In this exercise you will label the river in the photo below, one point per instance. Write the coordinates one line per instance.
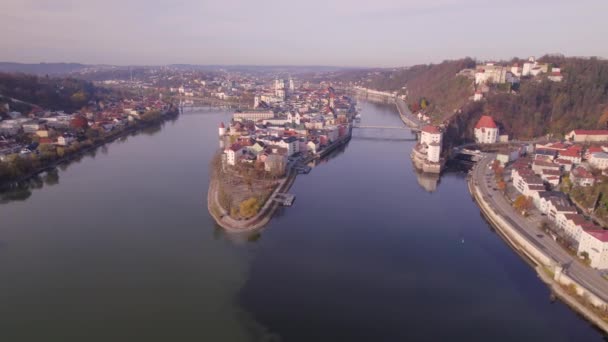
(119, 246)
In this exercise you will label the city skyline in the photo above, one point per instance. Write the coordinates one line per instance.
(383, 34)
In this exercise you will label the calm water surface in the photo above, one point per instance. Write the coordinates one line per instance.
(119, 247)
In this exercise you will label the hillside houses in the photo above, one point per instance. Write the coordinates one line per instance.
(61, 129)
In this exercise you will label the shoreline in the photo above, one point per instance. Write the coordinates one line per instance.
(542, 264)
(258, 221)
(266, 213)
(67, 159)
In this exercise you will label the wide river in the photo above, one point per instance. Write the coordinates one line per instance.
(119, 246)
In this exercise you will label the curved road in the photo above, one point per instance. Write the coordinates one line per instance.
(528, 228)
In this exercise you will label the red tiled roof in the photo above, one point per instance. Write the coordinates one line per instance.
(581, 172)
(599, 234)
(235, 147)
(550, 172)
(430, 129)
(569, 153)
(486, 121)
(576, 218)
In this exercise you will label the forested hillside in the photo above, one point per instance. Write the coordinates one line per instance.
(579, 101)
(436, 87)
(50, 93)
(537, 107)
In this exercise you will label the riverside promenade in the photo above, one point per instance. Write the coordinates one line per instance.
(554, 265)
(222, 217)
(406, 115)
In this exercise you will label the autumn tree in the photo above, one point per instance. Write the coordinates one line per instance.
(501, 185)
(79, 122)
(249, 207)
(603, 120)
(523, 204)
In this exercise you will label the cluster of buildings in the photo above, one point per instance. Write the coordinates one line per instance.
(491, 73)
(277, 95)
(538, 177)
(58, 128)
(304, 123)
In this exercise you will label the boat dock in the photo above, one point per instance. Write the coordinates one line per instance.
(285, 199)
(303, 169)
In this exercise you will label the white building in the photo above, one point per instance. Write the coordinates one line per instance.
(595, 243)
(253, 115)
(430, 134)
(434, 152)
(516, 70)
(599, 160)
(430, 139)
(233, 153)
(486, 131)
(478, 96)
(63, 140)
(582, 135)
(490, 73)
(292, 86)
(222, 129)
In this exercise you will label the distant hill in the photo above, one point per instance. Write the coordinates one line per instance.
(437, 87)
(537, 107)
(277, 69)
(66, 94)
(41, 68)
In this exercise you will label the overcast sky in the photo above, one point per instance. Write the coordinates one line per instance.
(305, 32)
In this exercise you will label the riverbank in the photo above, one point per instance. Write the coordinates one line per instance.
(9, 183)
(264, 215)
(406, 115)
(222, 216)
(567, 289)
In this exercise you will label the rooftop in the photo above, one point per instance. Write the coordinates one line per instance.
(486, 121)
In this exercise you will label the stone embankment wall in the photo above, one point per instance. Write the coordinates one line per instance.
(541, 260)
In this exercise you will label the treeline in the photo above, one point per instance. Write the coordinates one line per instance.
(66, 94)
(436, 87)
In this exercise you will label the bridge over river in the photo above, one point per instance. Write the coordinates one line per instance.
(383, 132)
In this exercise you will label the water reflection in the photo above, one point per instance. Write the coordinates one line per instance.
(20, 191)
(240, 238)
(51, 177)
(428, 181)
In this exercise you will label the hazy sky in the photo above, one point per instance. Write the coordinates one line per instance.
(310, 32)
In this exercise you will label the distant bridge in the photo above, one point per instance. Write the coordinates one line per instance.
(383, 139)
(384, 127)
